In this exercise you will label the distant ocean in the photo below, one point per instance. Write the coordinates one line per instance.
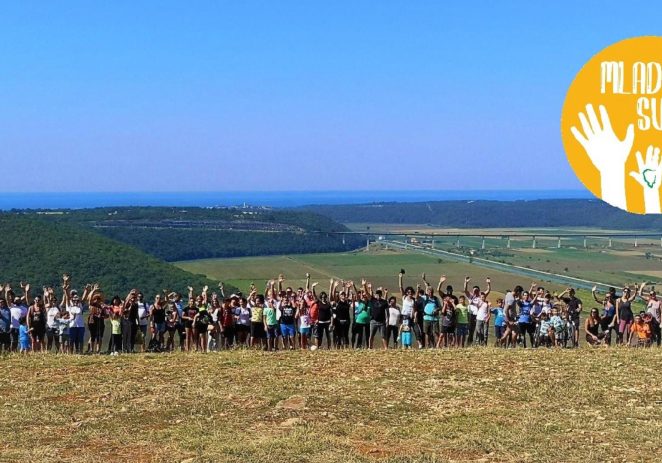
(260, 198)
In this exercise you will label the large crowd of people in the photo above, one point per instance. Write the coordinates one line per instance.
(347, 316)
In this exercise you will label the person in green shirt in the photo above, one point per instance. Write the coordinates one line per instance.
(270, 325)
(361, 327)
(461, 321)
(116, 332)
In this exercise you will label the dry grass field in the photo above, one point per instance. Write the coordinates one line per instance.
(475, 405)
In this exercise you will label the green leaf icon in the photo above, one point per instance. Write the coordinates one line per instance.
(648, 173)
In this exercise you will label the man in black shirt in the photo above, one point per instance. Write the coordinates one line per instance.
(574, 308)
(340, 323)
(378, 317)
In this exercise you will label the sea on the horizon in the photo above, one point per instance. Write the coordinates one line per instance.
(81, 200)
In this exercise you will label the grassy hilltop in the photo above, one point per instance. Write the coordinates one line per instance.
(476, 405)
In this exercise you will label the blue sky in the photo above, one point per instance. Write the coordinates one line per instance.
(295, 95)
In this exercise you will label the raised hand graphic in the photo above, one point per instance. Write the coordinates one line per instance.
(607, 153)
(650, 178)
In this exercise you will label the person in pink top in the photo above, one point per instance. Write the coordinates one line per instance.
(653, 307)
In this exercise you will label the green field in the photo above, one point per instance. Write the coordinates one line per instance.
(378, 266)
(473, 405)
(617, 265)
(381, 267)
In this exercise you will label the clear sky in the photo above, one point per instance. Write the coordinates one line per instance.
(295, 95)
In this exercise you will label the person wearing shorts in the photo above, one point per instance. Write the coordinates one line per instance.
(524, 320)
(190, 311)
(270, 322)
(227, 323)
(405, 333)
(287, 329)
(499, 321)
(447, 320)
(258, 335)
(157, 319)
(201, 324)
(378, 318)
(461, 322)
(304, 322)
(394, 320)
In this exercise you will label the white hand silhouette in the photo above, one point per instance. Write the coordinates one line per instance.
(607, 153)
(650, 178)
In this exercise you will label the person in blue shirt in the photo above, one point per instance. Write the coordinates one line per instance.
(23, 335)
(5, 327)
(525, 320)
(499, 321)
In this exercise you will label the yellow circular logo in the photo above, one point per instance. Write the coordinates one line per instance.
(611, 124)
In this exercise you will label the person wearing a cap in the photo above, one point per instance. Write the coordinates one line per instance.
(76, 323)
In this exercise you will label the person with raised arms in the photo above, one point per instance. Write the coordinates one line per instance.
(431, 310)
(477, 309)
(608, 315)
(287, 320)
(36, 321)
(654, 308)
(188, 317)
(475, 301)
(304, 322)
(201, 321)
(18, 310)
(525, 321)
(408, 299)
(75, 307)
(172, 321)
(270, 321)
(324, 319)
(360, 327)
(341, 315)
(378, 314)
(624, 314)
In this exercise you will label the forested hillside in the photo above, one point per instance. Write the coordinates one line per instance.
(174, 234)
(39, 251)
(486, 214)
(174, 244)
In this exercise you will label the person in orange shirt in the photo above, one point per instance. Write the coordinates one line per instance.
(642, 330)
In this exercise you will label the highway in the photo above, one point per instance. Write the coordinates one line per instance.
(539, 275)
